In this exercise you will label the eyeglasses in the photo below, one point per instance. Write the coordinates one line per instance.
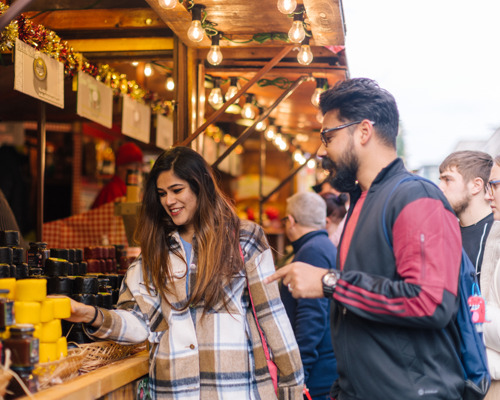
(326, 139)
(491, 186)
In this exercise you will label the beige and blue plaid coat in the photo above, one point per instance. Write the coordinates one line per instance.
(218, 356)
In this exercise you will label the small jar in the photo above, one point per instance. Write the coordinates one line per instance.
(14, 390)
(6, 310)
(23, 346)
(37, 254)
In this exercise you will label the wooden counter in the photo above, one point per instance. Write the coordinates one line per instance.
(100, 382)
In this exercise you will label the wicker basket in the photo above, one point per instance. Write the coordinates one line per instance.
(99, 354)
(62, 370)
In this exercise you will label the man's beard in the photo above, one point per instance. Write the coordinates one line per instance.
(462, 205)
(343, 173)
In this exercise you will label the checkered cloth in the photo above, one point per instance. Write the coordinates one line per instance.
(87, 229)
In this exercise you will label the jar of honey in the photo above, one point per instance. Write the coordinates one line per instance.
(23, 346)
(6, 310)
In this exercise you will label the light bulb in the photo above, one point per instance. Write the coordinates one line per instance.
(271, 132)
(297, 33)
(321, 85)
(261, 126)
(170, 84)
(148, 71)
(214, 56)
(248, 111)
(305, 55)
(195, 31)
(135, 63)
(315, 96)
(233, 88)
(215, 99)
(168, 4)
(287, 6)
(311, 163)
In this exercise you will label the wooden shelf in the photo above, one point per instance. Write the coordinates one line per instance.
(100, 382)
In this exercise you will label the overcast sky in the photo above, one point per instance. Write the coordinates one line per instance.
(441, 61)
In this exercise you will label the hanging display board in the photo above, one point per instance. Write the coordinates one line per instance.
(164, 131)
(94, 100)
(38, 75)
(136, 119)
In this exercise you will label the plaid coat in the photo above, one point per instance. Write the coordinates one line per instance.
(221, 355)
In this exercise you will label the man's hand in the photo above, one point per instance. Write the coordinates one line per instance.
(303, 280)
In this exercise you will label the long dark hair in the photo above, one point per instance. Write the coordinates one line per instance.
(215, 223)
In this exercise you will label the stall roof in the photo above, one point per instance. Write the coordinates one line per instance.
(119, 33)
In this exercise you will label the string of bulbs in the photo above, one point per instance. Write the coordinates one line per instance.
(251, 109)
(200, 26)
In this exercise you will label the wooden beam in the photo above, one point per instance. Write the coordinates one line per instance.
(243, 90)
(324, 17)
(128, 44)
(178, 19)
(92, 19)
(246, 133)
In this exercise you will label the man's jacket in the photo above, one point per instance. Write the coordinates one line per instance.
(393, 306)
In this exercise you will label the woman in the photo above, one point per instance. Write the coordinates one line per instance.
(490, 283)
(335, 214)
(187, 293)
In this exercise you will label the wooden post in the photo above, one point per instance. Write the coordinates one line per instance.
(40, 177)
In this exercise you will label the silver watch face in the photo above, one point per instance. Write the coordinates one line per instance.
(330, 279)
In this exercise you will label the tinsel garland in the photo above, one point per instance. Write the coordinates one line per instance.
(48, 42)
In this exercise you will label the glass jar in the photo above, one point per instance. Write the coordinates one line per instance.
(6, 310)
(23, 346)
(37, 254)
(14, 390)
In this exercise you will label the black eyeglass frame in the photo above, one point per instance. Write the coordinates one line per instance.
(325, 140)
(491, 187)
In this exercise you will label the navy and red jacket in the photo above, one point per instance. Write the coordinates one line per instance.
(392, 306)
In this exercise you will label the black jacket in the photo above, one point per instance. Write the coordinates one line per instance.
(392, 306)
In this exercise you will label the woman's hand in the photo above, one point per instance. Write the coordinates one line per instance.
(81, 312)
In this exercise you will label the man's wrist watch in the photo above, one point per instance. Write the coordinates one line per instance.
(329, 281)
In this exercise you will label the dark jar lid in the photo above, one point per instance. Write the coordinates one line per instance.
(22, 329)
(38, 244)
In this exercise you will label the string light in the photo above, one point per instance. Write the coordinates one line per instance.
(320, 88)
(168, 4)
(215, 98)
(271, 130)
(214, 56)
(195, 32)
(233, 88)
(311, 163)
(305, 55)
(148, 71)
(248, 111)
(287, 6)
(170, 84)
(297, 33)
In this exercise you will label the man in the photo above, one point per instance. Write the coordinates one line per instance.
(128, 157)
(392, 302)
(463, 176)
(305, 228)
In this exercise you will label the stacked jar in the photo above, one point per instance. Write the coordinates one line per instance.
(12, 256)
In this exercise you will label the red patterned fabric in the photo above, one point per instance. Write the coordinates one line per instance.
(86, 229)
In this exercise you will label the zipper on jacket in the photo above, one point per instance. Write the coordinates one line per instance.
(422, 256)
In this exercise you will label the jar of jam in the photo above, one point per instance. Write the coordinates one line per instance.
(6, 310)
(30, 380)
(24, 348)
(37, 254)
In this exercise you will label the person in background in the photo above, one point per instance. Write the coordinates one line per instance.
(128, 157)
(335, 215)
(8, 220)
(305, 228)
(463, 176)
(396, 295)
(187, 293)
(490, 284)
